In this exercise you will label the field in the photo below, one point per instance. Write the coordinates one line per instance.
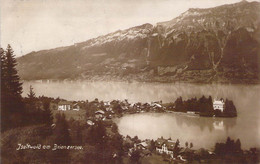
(76, 115)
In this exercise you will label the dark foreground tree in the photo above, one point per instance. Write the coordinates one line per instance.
(61, 132)
(61, 137)
(33, 112)
(12, 108)
(4, 111)
(135, 156)
(47, 114)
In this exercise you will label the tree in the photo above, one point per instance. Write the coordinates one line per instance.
(152, 146)
(186, 144)
(31, 94)
(31, 107)
(3, 73)
(230, 109)
(76, 131)
(116, 146)
(114, 128)
(117, 107)
(12, 107)
(60, 136)
(4, 110)
(179, 106)
(135, 156)
(13, 83)
(238, 145)
(48, 118)
(96, 134)
(176, 148)
(206, 106)
(61, 132)
(191, 145)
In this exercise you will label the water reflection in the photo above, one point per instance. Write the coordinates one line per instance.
(223, 124)
(201, 131)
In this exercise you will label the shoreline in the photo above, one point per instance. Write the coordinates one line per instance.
(251, 83)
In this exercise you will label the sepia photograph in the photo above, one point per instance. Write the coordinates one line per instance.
(130, 81)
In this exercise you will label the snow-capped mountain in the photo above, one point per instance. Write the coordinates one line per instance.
(203, 45)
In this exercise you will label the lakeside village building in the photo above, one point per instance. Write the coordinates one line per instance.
(219, 104)
(165, 146)
(65, 105)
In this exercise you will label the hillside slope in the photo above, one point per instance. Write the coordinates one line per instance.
(218, 44)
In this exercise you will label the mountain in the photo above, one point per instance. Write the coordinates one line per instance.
(219, 44)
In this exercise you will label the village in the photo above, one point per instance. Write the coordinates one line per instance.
(102, 110)
(92, 112)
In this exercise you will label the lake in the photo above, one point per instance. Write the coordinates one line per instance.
(202, 132)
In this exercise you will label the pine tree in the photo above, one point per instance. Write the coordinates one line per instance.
(12, 109)
(3, 72)
(31, 101)
(13, 83)
(4, 109)
(31, 94)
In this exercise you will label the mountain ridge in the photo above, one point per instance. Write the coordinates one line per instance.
(221, 44)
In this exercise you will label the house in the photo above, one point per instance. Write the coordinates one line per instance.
(219, 104)
(156, 105)
(124, 108)
(142, 145)
(165, 146)
(108, 108)
(99, 114)
(106, 103)
(65, 105)
(75, 106)
(89, 122)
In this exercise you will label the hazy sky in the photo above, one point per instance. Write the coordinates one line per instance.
(33, 25)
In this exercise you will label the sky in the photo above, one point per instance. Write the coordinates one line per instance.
(33, 25)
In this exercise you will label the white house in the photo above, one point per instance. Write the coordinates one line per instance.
(64, 105)
(218, 104)
(165, 146)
